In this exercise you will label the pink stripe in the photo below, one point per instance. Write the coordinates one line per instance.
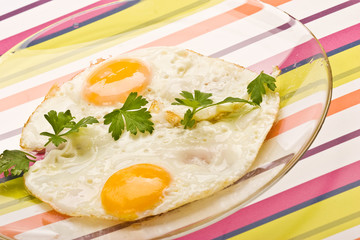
(304, 51)
(9, 42)
(280, 202)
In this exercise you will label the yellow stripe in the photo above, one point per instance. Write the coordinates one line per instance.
(95, 37)
(315, 216)
(344, 62)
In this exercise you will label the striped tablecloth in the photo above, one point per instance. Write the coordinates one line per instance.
(318, 199)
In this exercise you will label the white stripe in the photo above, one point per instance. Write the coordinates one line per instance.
(39, 15)
(346, 88)
(10, 143)
(14, 5)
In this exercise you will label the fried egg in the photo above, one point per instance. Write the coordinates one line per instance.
(147, 174)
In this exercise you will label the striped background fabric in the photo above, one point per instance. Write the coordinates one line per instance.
(319, 198)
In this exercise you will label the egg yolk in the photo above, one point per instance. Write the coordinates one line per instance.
(113, 81)
(134, 189)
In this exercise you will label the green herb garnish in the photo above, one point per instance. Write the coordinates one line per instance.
(199, 101)
(16, 161)
(256, 87)
(131, 115)
(60, 121)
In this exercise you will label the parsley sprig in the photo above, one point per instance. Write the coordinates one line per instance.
(131, 115)
(60, 121)
(15, 162)
(199, 101)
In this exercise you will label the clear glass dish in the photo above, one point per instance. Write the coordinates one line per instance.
(249, 33)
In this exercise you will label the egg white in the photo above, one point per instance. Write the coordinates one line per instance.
(200, 161)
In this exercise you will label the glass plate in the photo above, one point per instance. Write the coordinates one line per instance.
(249, 33)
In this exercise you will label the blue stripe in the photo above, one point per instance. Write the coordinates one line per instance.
(290, 210)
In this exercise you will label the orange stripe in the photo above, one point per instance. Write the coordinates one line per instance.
(242, 11)
(344, 102)
(27, 224)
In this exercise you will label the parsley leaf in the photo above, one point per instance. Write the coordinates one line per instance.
(199, 101)
(256, 87)
(131, 114)
(60, 121)
(16, 161)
